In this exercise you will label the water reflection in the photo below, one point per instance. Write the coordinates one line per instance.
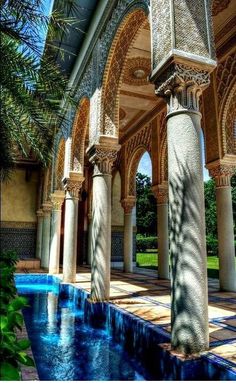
(52, 303)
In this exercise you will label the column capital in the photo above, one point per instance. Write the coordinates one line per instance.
(128, 204)
(161, 193)
(39, 213)
(222, 173)
(47, 207)
(102, 156)
(57, 199)
(181, 85)
(73, 183)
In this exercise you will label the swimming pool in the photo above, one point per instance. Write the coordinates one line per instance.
(64, 346)
(73, 339)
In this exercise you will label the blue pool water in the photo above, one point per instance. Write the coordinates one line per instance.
(66, 348)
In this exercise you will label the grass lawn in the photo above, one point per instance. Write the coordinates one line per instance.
(149, 261)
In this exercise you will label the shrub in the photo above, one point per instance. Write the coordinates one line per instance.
(144, 243)
(12, 350)
(212, 245)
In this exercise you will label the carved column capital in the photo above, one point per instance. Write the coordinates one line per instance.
(39, 213)
(73, 184)
(57, 199)
(181, 86)
(102, 157)
(128, 204)
(221, 173)
(47, 207)
(161, 193)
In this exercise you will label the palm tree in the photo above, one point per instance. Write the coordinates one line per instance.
(31, 83)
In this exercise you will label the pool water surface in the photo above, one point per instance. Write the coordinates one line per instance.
(65, 347)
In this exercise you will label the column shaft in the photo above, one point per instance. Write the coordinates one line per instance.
(189, 305)
(101, 237)
(163, 241)
(39, 234)
(90, 226)
(57, 200)
(224, 209)
(70, 238)
(128, 243)
(46, 237)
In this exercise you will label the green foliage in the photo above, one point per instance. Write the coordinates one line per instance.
(145, 243)
(146, 206)
(12, 350)
(212, 245)
(32, 85)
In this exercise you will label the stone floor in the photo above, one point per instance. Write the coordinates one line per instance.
(143, 295)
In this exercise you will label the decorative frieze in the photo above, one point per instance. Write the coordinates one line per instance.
(160, 192)
(182, 86)
(128, 204)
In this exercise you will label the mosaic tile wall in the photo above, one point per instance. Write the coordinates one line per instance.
(21, 240)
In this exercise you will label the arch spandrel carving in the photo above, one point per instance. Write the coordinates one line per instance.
(228, 124)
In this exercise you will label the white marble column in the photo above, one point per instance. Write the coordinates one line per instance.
(46, 234)
(72, 186)
(161, 194)
(128, 204)
(189, 292)
(57, 199)
(39, 234)
(102, 157)
(225, 225)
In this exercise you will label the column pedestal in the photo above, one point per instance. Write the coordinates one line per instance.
(39, 234)
(128, 204)
(72, 186)
(57, 199)
(46, 234)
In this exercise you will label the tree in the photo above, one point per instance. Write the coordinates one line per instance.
(31, 84)
(146, 206)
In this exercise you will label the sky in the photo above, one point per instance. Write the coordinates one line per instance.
(145, 165)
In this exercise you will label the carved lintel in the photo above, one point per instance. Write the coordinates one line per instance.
(103, 157)
(47, 207)
(161, 193)
(128, 204)
(57, 199)
(222, 173)
(73, 184)
(181, 86)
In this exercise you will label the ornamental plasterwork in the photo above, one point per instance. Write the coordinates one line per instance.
(103, 157)
(160, 192)
(225, 74)
(17, 225)
(47, 207)
(182, 86)
(57, 199)
(143, 137)
(73, 184)
(218, 6)
(59, 168)
(163, 148)
(137, 70)
(122, 114)
(229, 123)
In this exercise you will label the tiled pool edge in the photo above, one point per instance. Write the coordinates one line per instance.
(147, 346)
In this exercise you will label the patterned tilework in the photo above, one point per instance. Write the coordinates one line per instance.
(21, 240)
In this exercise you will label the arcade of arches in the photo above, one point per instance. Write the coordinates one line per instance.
(151, 83)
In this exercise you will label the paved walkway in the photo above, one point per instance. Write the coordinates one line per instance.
(143, 295)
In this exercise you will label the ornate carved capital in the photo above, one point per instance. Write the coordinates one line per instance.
(57, 199)
(73, 184)
(181, 86)
(222, 174)
(39, 213)
(102, 157)
(128, 204)
(161, 193)
(47, 207)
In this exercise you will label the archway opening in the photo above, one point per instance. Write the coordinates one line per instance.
(145, 216)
